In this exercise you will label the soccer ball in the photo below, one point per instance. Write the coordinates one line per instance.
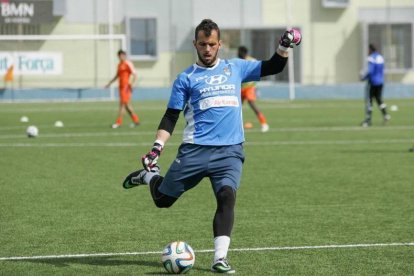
(178, 257)
(32, 131)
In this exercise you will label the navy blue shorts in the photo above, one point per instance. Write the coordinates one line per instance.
(222, 164)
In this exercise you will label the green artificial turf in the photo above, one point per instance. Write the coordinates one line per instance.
(316, 178)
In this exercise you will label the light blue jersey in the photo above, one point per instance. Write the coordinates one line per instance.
(211, 100)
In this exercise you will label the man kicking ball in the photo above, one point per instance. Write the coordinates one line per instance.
(209, 94)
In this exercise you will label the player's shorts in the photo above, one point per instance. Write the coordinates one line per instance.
(222, 164)
(125, 93)
(248, 93)
(375, 91)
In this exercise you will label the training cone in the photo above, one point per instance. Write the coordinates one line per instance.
(58, 124)
(248, 125)
(24, 119)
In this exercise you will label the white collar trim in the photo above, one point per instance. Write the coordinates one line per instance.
(208, 68)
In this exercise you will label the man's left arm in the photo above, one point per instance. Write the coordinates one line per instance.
(278, 61)
(133, 76)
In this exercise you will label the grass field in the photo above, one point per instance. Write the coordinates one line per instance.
(315, 179)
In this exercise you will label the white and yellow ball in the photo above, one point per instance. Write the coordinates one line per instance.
(178, 257)
(32, 131)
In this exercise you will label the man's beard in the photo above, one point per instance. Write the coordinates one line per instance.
(205, 63)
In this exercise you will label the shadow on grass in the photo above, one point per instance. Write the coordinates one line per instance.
(98, 261)
(103, 261)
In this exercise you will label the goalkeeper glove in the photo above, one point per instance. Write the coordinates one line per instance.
(289, 39)
(150, 159)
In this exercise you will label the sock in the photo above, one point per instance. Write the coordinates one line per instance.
(262, 118)
(135, 118)
(149, 175)
(383, 108)
(119, 121)
(221, 246)
(368, 115)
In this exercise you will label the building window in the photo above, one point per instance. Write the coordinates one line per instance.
(22, 29)
(142, 38)
(335, 3)
(31, 29)
(9, 29)
(394, 41)
(262, 44)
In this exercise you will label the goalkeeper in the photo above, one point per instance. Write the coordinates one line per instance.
(209, 94)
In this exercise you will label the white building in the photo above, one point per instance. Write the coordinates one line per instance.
(158, 36)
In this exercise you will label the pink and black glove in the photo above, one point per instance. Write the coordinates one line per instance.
(149, 160)
(289, 39)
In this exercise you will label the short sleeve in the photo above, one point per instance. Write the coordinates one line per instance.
(249, 69)
(131, 67)
(179, 93)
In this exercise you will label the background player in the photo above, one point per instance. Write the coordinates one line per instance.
(248, 91)
(125, 71)
(209, 93)
(375, 78)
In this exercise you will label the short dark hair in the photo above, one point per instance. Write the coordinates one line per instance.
(121, 52)
(207, 26)
(242, 51)
(372, 47)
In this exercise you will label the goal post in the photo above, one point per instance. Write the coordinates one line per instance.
(60, 61)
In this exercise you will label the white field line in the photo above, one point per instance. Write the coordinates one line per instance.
(277, 248)
(160, 108)
(138, 132)
(81, 134)
(85, 105)
(329, 129)
(98, 126)
(247, 144)
(68, 109)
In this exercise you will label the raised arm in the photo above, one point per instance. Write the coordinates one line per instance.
(278, 61)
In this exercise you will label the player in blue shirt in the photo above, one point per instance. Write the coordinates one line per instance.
(208, 92)
(375, 82)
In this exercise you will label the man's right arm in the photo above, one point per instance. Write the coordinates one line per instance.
(164, 132)
(111, 81)
(169, 120)
(369, 71)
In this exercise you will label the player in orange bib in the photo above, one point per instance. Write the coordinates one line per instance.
(248, 93)
(125, 71)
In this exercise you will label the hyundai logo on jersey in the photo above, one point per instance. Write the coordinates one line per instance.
(217, 79)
